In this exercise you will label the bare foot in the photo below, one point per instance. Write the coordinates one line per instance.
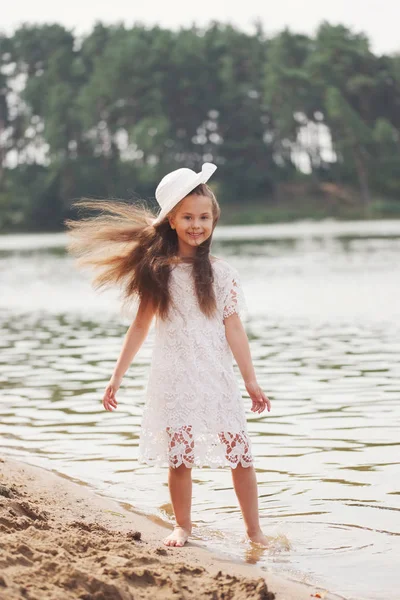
(178, 537)
(260, 539)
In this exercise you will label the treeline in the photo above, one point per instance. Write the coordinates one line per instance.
(108, 114)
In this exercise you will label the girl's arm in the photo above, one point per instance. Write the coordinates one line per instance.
(239, 344)
(134, 339)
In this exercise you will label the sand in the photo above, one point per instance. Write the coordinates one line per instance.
(61, 541)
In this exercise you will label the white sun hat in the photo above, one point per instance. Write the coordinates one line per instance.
(178, 184)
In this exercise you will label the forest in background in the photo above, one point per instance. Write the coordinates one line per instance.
(300, 126)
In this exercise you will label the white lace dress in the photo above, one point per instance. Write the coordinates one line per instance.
(194, 413)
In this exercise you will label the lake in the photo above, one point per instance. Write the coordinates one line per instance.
(324, 328)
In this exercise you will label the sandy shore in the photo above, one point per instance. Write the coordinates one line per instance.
(61, 541)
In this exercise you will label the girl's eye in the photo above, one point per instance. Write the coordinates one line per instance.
(204, 217)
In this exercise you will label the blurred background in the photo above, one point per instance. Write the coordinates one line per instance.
(301, 114)
(299, 106)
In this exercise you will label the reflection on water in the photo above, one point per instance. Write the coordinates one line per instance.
(324, 314)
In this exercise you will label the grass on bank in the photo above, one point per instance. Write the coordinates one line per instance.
(306, 208)
(292, 202)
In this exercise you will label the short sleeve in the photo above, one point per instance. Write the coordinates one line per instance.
(234, 297)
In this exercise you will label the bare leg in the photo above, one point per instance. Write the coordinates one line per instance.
(180, 489)
(245, 484)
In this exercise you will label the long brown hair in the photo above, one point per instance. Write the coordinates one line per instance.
(125, 248)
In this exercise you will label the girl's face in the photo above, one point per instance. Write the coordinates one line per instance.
(193, 222)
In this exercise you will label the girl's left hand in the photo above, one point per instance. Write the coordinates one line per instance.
(259, 400)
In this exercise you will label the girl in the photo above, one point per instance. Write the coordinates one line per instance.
(194, 414)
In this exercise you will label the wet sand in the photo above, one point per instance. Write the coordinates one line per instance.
(61, 541)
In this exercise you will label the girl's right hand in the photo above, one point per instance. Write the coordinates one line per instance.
(109, 398)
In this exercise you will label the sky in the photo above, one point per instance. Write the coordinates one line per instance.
(379, 19)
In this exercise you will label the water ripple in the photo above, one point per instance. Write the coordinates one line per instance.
(324, 334)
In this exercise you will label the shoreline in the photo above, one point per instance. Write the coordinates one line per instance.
(239, 221)
(60, 536)
(29, 241)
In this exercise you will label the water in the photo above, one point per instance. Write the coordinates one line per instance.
(323, 323)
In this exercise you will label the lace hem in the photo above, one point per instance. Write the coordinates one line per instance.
(176, 447)
(211, 464)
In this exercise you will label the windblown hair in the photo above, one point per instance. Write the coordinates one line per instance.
(123, 246)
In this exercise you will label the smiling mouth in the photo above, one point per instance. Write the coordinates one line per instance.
(195, 235)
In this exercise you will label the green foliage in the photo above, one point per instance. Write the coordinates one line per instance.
(108, 114)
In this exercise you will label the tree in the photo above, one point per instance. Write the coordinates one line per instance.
(110, 112)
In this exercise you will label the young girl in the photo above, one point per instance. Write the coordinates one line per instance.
(194, 414)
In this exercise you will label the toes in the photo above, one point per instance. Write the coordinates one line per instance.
(175, 541)
(169, 542)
